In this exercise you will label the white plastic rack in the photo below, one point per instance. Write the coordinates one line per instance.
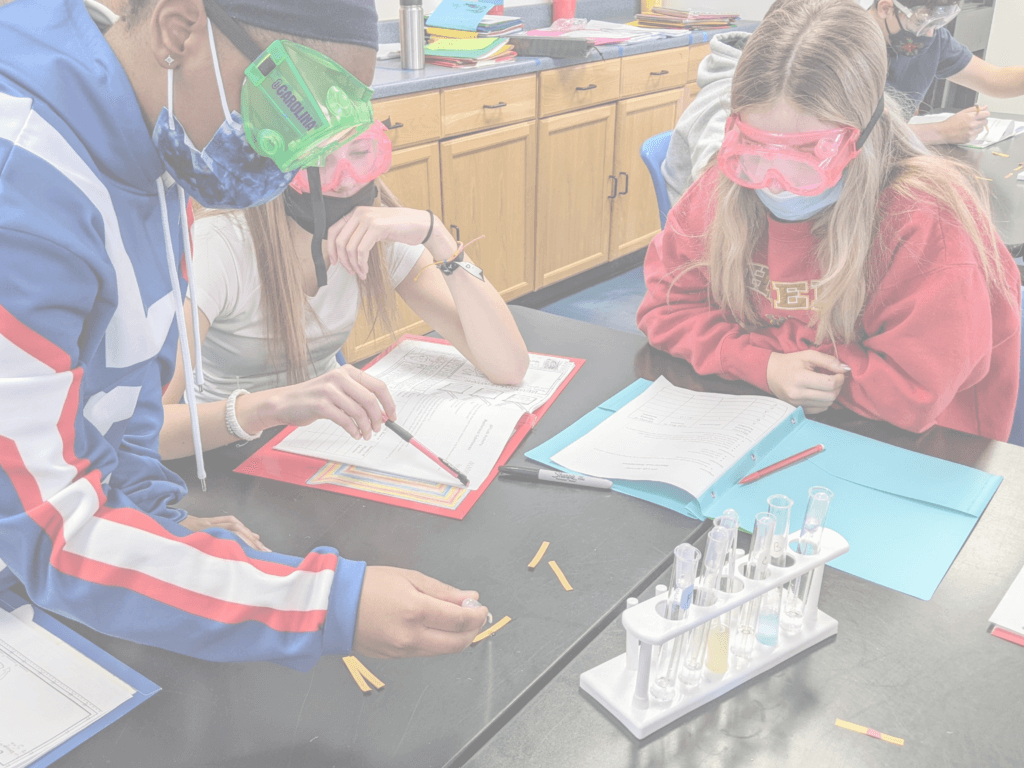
(622, 685)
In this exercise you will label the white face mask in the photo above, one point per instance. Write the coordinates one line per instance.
(788, 206)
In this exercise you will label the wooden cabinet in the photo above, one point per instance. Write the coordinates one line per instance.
(415, 179)
(634, 208)
(546, 166)
(574, 179)
(578, 87)
(489, 182)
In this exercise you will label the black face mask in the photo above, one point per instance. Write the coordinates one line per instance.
(303, 209)
(904, 42)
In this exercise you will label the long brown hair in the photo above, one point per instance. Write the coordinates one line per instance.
(828, 58)
(284, 303)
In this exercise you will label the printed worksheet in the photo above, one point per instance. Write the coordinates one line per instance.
(48, 690)
(675, 436)
(447, 404)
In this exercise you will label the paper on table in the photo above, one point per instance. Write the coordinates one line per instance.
(675, 436)
(447, 404)
(48, 691)
(996, 130)
(1009, 614)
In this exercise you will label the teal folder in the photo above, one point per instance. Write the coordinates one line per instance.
(906, 515)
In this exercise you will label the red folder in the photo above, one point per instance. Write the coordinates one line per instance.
(298, 470)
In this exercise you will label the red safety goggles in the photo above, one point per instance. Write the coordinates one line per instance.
(360, 161)
(801, 163)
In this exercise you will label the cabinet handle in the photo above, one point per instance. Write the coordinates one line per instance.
(626, 190)
(590, 87)
(391, 126)
(615, 187)
(657, 74)
(456, 230)
(499, 105)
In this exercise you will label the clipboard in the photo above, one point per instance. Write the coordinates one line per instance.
(301, 470)
(905, 514)
(144, 687)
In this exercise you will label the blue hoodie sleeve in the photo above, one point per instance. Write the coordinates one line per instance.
(81, 545)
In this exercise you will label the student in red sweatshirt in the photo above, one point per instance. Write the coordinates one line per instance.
(826, 257)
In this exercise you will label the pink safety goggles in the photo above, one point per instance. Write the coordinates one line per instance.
(360, 160)
(801, 163)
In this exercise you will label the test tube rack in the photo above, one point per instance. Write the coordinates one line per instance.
(622, 685)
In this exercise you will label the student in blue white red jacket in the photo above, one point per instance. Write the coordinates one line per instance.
(90, 232)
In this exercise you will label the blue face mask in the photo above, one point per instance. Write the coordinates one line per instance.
(790, 207)
(227, 173)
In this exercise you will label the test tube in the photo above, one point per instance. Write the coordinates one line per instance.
(687, 558)
(632, 646)
(795, 596)
(780, 506)
(730, 520)
(696, 644)
(717, 661)
(757, 570)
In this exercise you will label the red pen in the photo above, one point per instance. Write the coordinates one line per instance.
(407, 436)
(781, 464)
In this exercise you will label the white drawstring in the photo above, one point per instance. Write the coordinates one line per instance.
(179, 314)
(216, 71)
(197, 342)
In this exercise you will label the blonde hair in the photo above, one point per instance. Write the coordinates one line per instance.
(828, 58)
(283, 301)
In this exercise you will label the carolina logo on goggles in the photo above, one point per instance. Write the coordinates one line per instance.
(802, 163)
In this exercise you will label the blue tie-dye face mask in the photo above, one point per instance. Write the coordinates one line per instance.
(227, 173)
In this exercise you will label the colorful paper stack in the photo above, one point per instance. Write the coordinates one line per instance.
(468, 53)
(671, 18)
(489, 26)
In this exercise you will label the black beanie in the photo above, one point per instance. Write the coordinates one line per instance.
(336, 21)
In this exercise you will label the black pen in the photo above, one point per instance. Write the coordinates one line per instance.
(553, 476)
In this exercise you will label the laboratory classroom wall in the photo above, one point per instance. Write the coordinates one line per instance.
(1005, 48)
(387, 10)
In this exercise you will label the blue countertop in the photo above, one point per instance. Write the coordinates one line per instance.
(391, 80)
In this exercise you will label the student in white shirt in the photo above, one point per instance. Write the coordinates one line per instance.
(270, 334)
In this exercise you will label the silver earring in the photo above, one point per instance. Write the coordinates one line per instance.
(169, 60)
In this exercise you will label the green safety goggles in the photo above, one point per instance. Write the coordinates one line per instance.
(298, 105)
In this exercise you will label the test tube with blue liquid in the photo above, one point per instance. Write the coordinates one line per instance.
(717, 549)
(677, 606)
(794, 600)
(757, 570)
(771, 602)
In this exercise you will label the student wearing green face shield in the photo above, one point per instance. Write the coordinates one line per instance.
(102, 136)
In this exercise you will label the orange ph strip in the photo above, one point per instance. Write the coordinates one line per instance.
(540, 553)
(561, 576)
(371, 678)
(869, 732)
(356, 674)
(491, 630)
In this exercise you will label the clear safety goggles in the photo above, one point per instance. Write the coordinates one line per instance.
(922, 19)
(359, 161)
(298, 105)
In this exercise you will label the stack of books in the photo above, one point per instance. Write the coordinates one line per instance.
(490, 26)
(468, 53)
(672, 18)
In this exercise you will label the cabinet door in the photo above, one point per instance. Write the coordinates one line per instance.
(415, 179)
(635, 219)
(574, 153)
(489, 180)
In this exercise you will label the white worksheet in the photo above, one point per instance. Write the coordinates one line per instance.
(48, 690)
(1009, 614)
(447, 404)
(675, 436)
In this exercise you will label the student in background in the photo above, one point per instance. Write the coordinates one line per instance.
(698, 134)
(271, 333)
(828, 259)
(921, 49)
(90, 246)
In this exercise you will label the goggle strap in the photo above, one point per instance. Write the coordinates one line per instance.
(319, 224)
(216, 71)
(871, 123)
(234, 32)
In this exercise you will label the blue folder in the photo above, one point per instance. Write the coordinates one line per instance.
(144, 688)
(906, 515)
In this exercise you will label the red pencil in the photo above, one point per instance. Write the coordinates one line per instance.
(407, 436)
(781, 464)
